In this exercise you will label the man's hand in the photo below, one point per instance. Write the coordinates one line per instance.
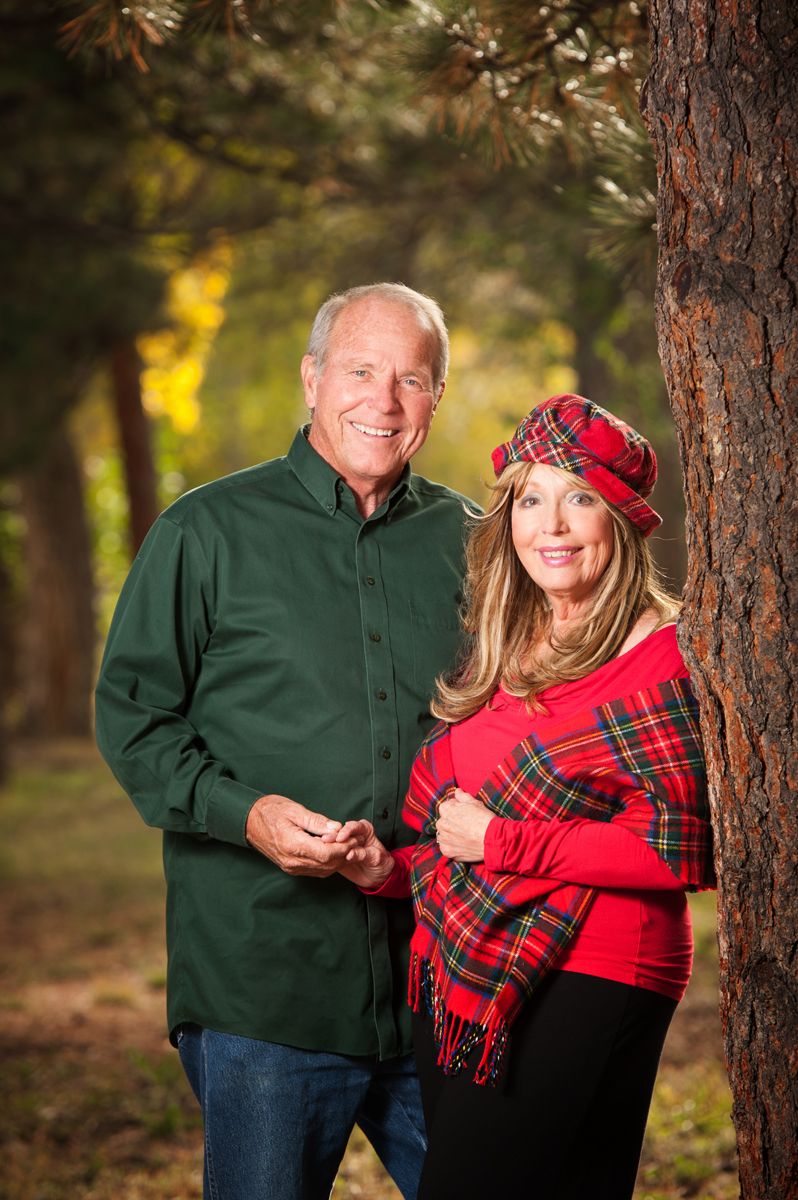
(368, 864)
(461, 827)
(290, 835)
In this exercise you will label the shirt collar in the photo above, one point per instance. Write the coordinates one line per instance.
(324, 483)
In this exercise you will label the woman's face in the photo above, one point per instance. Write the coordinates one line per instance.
(562, 533)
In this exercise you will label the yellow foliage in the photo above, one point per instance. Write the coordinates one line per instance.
(558, 378)
(465, 347)
(174, 359)
(491, 386)
(559, 339)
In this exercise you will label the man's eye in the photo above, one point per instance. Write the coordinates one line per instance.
(361, 372)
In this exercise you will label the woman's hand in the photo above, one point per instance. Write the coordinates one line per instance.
(462, 824)
(368, 864)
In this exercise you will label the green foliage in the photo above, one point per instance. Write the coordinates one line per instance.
(522, 81)
(525, 75)
(120, 28)
(71, 287)
(111, 178)
(624, 211)
(304, 127)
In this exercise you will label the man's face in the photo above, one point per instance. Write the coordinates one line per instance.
(373, 398)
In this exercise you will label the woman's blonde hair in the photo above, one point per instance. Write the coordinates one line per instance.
(507, 613)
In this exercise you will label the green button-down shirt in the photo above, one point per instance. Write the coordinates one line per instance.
(268, 639)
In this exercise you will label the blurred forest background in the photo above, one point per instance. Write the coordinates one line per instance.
(182, 186)
(169, 227)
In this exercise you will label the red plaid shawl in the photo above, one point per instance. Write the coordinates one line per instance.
(483, 940)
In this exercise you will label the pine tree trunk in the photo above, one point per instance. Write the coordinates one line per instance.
(135, 441)
(58, 652)
(721, 106)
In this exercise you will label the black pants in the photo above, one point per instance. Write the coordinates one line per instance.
(566, 1121)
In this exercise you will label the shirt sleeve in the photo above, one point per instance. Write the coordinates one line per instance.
(591, 853)
(161, 627)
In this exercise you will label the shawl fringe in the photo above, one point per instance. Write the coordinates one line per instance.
(457, 1036)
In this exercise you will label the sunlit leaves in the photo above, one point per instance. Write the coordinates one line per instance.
(175, 358)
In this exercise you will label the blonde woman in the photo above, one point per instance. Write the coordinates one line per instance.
(561, 810)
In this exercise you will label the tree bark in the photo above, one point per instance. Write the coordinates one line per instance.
(721, 107)
(135, 441)
(57, 660)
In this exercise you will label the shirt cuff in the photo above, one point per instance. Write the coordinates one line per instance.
(496, 839)
(397, 885)
(229, 805)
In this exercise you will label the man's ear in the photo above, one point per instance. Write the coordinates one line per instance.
(307, 370)
(441, 390)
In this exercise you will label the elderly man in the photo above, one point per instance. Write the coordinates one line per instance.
(266, 679)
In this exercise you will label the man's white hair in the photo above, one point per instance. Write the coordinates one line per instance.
(426, 310)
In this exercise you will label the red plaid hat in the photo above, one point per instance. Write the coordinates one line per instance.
(575, 434)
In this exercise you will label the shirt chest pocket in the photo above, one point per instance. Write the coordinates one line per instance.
(437, 636)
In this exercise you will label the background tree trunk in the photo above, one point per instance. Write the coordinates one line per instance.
(721, 108)
(135, 440)
(59, 634)
(6, 664)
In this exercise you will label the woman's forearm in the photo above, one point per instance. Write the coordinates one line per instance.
(591, 853)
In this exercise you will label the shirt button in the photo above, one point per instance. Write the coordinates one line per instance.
(384, 814)
(370, 580)
(386, 752)
(381, 694)
(375, 637)
(330, 508)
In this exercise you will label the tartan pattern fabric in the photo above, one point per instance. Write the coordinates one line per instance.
(484, 939)
(577, 435)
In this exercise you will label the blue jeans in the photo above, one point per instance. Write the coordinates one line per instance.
(277, 1120)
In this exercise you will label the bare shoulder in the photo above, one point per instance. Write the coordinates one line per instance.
(646, 623)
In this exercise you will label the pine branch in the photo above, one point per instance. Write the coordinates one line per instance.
(524, 73)
(123, 29)
(126, 28)
(624, 213)
(129, 28)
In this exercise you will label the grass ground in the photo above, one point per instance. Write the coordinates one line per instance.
(94, 1102)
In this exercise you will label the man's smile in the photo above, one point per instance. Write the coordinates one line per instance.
(373, 431)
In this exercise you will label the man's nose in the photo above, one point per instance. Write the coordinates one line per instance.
(384, 393)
